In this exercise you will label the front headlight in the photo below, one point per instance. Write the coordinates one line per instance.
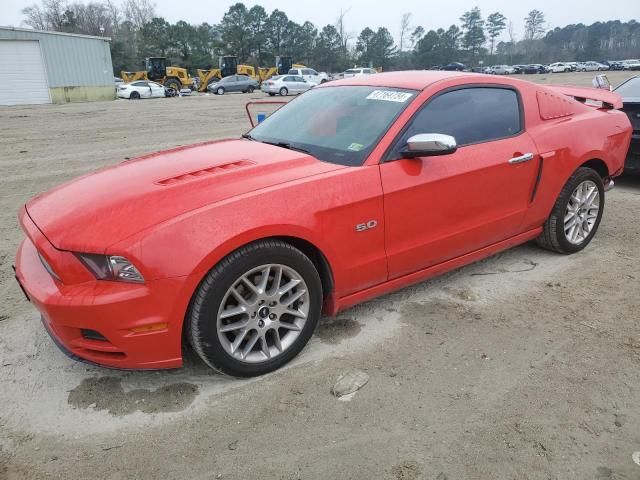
(111, 267)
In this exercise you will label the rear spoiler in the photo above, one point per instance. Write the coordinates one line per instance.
(582, 94)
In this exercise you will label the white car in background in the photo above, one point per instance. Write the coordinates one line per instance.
(284, 85)
(356, 72)
(310, 75)
(142, 89)
(560, 67)
(591, 67)
(631, 64)
(500, 70)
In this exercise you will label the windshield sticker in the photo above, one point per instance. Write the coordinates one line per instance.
(355, 147)
(389, 96)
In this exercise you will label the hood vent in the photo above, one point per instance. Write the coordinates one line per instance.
(225, 167)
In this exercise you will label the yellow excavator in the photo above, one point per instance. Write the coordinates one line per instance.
(156, 69)
(228, 65)
(283, 65)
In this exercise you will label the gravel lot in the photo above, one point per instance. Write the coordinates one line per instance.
(523, 366)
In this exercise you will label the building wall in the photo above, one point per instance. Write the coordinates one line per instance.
(79, 67)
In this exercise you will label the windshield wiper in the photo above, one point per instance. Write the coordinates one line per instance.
(288, 146)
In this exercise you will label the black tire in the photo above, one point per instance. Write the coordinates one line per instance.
(250, 90)
(272, 94)
(553, 236)
(201, 318)
(134, 96)
(173, 83)
(284, 91)
(220, 91)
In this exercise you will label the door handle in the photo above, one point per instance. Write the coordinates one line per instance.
(527, 157)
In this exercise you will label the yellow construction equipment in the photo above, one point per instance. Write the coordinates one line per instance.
(283, 65)
(227, 66)
(156, 69)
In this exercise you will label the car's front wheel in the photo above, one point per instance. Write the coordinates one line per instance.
(256, 309)
(134, 96)
(576, 214)
(220, 91)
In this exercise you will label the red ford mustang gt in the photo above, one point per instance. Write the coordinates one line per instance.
(354, 189)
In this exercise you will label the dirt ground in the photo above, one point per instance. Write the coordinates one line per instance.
(523, 366)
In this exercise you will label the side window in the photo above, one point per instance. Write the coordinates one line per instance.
(471, 115)
(288, 79)
(292, 72)
(140, 84)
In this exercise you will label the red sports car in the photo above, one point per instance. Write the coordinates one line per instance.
(354, 189)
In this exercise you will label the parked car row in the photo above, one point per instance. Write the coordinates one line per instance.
(537, 68)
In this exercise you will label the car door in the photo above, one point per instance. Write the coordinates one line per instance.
(157, 90)
(288, 83)
(143, 89)
(302, 84)
(230, 83)
(441, 207)
(244, 82)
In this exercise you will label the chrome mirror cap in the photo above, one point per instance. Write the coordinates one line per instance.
(429, 144)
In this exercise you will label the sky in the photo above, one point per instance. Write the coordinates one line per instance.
(362, 13)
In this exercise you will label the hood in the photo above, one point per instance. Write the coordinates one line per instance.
(95, 211)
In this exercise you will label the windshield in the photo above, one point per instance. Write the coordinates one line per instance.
(630, 89)
(335, 124)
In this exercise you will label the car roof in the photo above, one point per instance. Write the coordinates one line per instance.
(412, 80)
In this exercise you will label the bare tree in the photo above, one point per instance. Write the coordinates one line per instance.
(405, 26)
(114, 15)
(49, 16)
(342, 30)
(139, 12)
(512, 40)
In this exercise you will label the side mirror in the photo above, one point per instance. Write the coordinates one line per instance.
(429, 145)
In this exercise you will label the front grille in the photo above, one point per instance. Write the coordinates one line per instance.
(92, 335)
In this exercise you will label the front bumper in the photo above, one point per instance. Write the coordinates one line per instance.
(139, 326)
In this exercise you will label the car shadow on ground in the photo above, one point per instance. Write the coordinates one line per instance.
(629, 181)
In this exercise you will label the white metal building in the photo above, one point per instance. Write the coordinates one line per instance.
(53, 67)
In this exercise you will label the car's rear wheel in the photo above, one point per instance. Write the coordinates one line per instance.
(576, 215)
(256, 309)
(134, 96)
(283, 92)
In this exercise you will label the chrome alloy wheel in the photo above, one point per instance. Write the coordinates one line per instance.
(263, 313)
(582, 212)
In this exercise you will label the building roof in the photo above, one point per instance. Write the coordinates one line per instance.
(49, 32)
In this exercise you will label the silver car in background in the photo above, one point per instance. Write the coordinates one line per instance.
(284, 85)
(500, 70)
